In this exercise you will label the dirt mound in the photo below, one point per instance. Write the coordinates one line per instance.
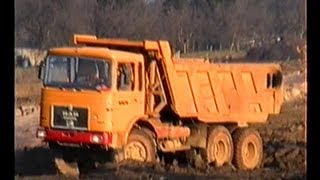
(277, 51)
(295, 85)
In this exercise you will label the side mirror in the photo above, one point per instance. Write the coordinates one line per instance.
(41, 70)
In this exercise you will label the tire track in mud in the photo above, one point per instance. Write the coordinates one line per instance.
(134, 171)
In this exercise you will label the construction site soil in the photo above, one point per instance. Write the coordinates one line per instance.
(284, 139)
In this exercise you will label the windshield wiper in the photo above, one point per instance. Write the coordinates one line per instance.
(77, 89)
(69, 88)
(62, 88)
(80, 89)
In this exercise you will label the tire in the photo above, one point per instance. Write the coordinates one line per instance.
(219, 146)
(248, 149)
(140, 147)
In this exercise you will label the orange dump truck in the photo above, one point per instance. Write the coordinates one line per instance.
(133, 98)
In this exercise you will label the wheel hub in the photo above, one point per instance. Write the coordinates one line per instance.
(136, 151)
(220, 150)
(250, 152)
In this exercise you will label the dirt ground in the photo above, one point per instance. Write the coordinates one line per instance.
(283, 137)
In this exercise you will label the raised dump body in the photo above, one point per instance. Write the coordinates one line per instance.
(242, 93)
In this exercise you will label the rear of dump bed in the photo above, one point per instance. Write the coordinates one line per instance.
(241, 93)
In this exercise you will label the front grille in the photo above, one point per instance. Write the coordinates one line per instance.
(70, 117)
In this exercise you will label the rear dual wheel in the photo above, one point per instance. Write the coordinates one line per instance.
(248, 149)
(244, 148)
(219, 146)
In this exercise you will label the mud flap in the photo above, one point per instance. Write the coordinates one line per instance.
(67, 168)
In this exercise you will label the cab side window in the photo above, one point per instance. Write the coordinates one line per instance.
(125, 77)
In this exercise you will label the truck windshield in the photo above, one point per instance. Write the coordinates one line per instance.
(77, 72)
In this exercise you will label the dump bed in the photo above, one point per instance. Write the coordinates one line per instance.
(241, 93)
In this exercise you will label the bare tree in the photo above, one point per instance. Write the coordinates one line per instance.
(188, 25)
(32, 20)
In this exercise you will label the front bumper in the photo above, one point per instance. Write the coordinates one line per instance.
(75, 137)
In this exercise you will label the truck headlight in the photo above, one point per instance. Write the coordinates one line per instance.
(96, 138)
(41, 133)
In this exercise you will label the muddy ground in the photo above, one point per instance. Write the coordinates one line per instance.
(284, 151)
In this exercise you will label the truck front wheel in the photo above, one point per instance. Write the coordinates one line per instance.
(248, 149)
(219, 146)
(140, 147)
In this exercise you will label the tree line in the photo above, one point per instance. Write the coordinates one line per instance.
(189, 25)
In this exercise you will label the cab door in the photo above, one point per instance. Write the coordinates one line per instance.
(128, 98)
